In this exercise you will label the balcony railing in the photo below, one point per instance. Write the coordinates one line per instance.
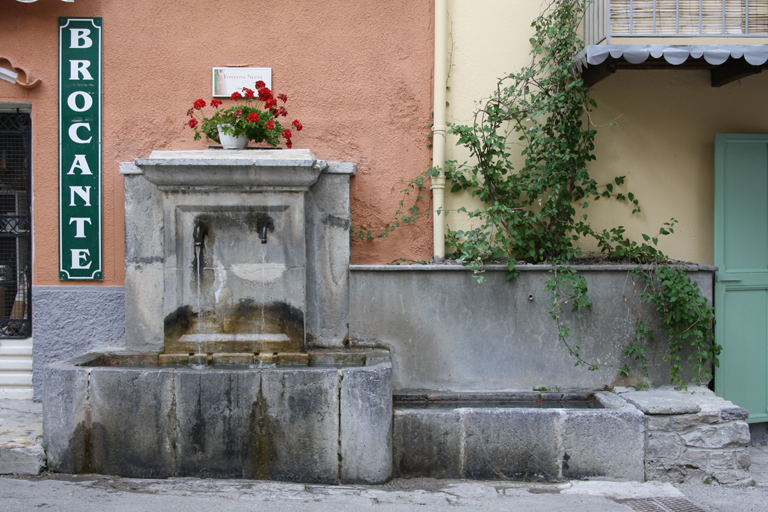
(605, 19)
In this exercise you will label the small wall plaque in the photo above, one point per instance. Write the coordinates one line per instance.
(229, 80)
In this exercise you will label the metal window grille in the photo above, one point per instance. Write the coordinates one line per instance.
(15, 226)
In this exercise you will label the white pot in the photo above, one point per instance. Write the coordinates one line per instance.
(230, 142)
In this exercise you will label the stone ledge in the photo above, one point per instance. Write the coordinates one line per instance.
(22, 460)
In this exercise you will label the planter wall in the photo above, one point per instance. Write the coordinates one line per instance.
(447, 332)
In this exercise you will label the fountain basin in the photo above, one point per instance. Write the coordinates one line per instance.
(326, 423)
(523, 435)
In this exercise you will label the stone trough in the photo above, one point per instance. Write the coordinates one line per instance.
(126, 414)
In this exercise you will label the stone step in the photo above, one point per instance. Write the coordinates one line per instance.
(15, 379)
(16, 348)
(15, 364)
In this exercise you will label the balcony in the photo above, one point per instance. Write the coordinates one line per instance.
(726, 37)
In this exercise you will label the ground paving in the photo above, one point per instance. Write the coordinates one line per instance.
(21, 437)
(20, 450)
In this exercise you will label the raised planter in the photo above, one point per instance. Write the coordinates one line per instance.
(449, 333)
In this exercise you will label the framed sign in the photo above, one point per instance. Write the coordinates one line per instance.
(80, 229)
(229, 80)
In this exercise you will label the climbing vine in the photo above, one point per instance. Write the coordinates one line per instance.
(538, 212)
(535, 208)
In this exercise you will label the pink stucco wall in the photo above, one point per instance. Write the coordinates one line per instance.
(358, 75)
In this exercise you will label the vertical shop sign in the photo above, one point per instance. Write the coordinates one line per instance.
(80, 232)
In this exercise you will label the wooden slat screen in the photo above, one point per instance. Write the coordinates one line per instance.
(695, 17)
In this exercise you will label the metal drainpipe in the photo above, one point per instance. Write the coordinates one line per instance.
(439, 127)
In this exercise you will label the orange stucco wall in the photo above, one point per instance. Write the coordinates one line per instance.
(357, 74)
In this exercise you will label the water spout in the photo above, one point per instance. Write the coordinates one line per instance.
(200, 232)
(264, 225)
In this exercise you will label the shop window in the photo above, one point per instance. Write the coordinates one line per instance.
(15, 225)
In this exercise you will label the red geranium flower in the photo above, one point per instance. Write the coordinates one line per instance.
(270, 125)
(238, 113)
(297, 124)
(199, 104)
(248, 92)
(190, 112)
(192, 123)
(283, 112)
(287, 133)
(289, 144)
(253, 117)
(215, 103)
(283, 97)
(235, 95)
(265, 94)
(270, 103)
(260, 85)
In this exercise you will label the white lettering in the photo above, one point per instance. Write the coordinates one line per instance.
(78, 255)
(87, 101)
(80, 34)
(80, 225)
(79, 67)
(83, 192)
(73, 133)
(80, 163)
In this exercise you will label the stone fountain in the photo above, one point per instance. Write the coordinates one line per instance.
(236, 362)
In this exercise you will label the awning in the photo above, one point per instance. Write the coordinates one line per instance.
(596, 62)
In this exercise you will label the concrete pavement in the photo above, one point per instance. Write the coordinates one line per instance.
(100, 493)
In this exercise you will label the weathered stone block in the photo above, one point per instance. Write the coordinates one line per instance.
(328, 223)
(661, 402)
(173, 358)
(607, 443)
(267, 357)
(511, 443)
(722, 460)
(132, 433)
(232, 358)
(743, 459)
(293, 358)
(428, 443)
(660, 445)
(733, 477)
(300, 430)
(65, 417)
(366, 424)
(198, 359)
(22, 460)
(695, 458)
(734, 413)
(218, 423)
(718, 436)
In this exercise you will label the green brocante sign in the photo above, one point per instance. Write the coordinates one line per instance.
(80, 231)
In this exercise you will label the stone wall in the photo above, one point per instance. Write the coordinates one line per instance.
(449, 333)
(693, 436)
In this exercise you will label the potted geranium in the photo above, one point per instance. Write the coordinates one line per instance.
(254, 117)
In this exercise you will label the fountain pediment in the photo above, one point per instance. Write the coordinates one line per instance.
(293, 169)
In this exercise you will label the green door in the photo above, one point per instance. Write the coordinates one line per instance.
(741, 283)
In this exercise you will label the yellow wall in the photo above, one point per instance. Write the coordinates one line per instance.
(663, 141)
